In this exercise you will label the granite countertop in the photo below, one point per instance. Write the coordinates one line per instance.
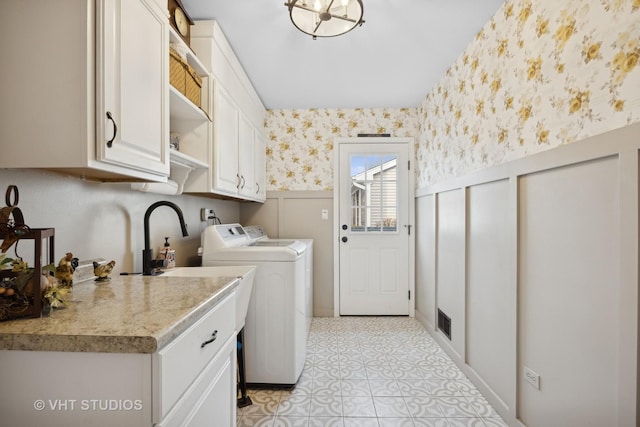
(130, 314)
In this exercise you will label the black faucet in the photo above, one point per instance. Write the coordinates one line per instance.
(149, 264)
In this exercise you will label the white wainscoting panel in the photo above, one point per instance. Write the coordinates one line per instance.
(490, 292)
(450, 263)
(569, 293)
(536, 263)
(426, 260)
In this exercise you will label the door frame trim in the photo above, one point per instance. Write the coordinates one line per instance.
(409, 141)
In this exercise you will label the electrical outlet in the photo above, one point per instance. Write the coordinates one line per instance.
(205, 214)
(532, 378)
(325, 214)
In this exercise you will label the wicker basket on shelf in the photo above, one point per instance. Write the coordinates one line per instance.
(184, 78)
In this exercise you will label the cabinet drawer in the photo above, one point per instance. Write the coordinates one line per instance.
(211, 400)
(178, 364)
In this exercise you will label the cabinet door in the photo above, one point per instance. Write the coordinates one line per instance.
(211, 399)
(217, 407)
(226, 177)
(246, 157)
(260, 166)
(132, 85)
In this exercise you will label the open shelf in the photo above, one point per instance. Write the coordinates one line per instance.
(192, 59)
(191, 122)
(180, 159)
(182, 108)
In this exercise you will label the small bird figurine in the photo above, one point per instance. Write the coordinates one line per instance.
(65, 269)
(103, 270)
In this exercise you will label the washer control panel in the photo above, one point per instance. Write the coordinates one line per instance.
(224, 236)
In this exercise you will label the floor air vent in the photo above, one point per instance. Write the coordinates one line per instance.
(444, 323)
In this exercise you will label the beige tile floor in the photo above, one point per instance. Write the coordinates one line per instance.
(372, 372)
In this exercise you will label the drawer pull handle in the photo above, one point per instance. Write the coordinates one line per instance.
(214, 335)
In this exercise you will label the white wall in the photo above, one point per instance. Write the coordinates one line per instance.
(297, 214)
(100, 220)
(536, 263)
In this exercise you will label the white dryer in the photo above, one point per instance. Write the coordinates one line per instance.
(276, 331)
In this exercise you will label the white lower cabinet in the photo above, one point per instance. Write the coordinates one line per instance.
(184, 384)
(211, 400)
(75, 389)
(197, 370)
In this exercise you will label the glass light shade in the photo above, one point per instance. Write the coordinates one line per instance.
(325, 18)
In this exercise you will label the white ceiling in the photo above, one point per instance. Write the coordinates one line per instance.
(393, 60)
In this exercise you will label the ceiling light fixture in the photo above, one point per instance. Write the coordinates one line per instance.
(325, 18)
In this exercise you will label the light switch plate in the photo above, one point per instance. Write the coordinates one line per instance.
(325, 214)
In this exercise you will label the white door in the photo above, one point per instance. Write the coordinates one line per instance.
(260, 170)
(246, 162)
(374, 228)
(132, 83)
(226, 176)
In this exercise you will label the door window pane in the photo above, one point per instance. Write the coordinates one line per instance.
(374, 188)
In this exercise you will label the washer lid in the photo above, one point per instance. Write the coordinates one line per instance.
(276, 243)
(254, 253)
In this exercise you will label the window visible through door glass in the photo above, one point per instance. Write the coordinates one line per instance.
(374, 189)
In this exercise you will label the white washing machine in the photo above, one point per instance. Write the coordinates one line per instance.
(258, 235)
(276, 331)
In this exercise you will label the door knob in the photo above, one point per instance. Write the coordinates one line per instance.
(344, 226)
(344, 238)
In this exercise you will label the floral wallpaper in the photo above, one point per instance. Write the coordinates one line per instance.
(300, 142)
(541, 73)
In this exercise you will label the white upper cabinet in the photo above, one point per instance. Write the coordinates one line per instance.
(246, 157)
(260, 171)
(86, 93)
(132, 71)
(225, 156)
(238, 120)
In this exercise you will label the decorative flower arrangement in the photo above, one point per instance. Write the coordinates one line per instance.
(55, 290)
(13, 299)
(55, 295)
(13, 295)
